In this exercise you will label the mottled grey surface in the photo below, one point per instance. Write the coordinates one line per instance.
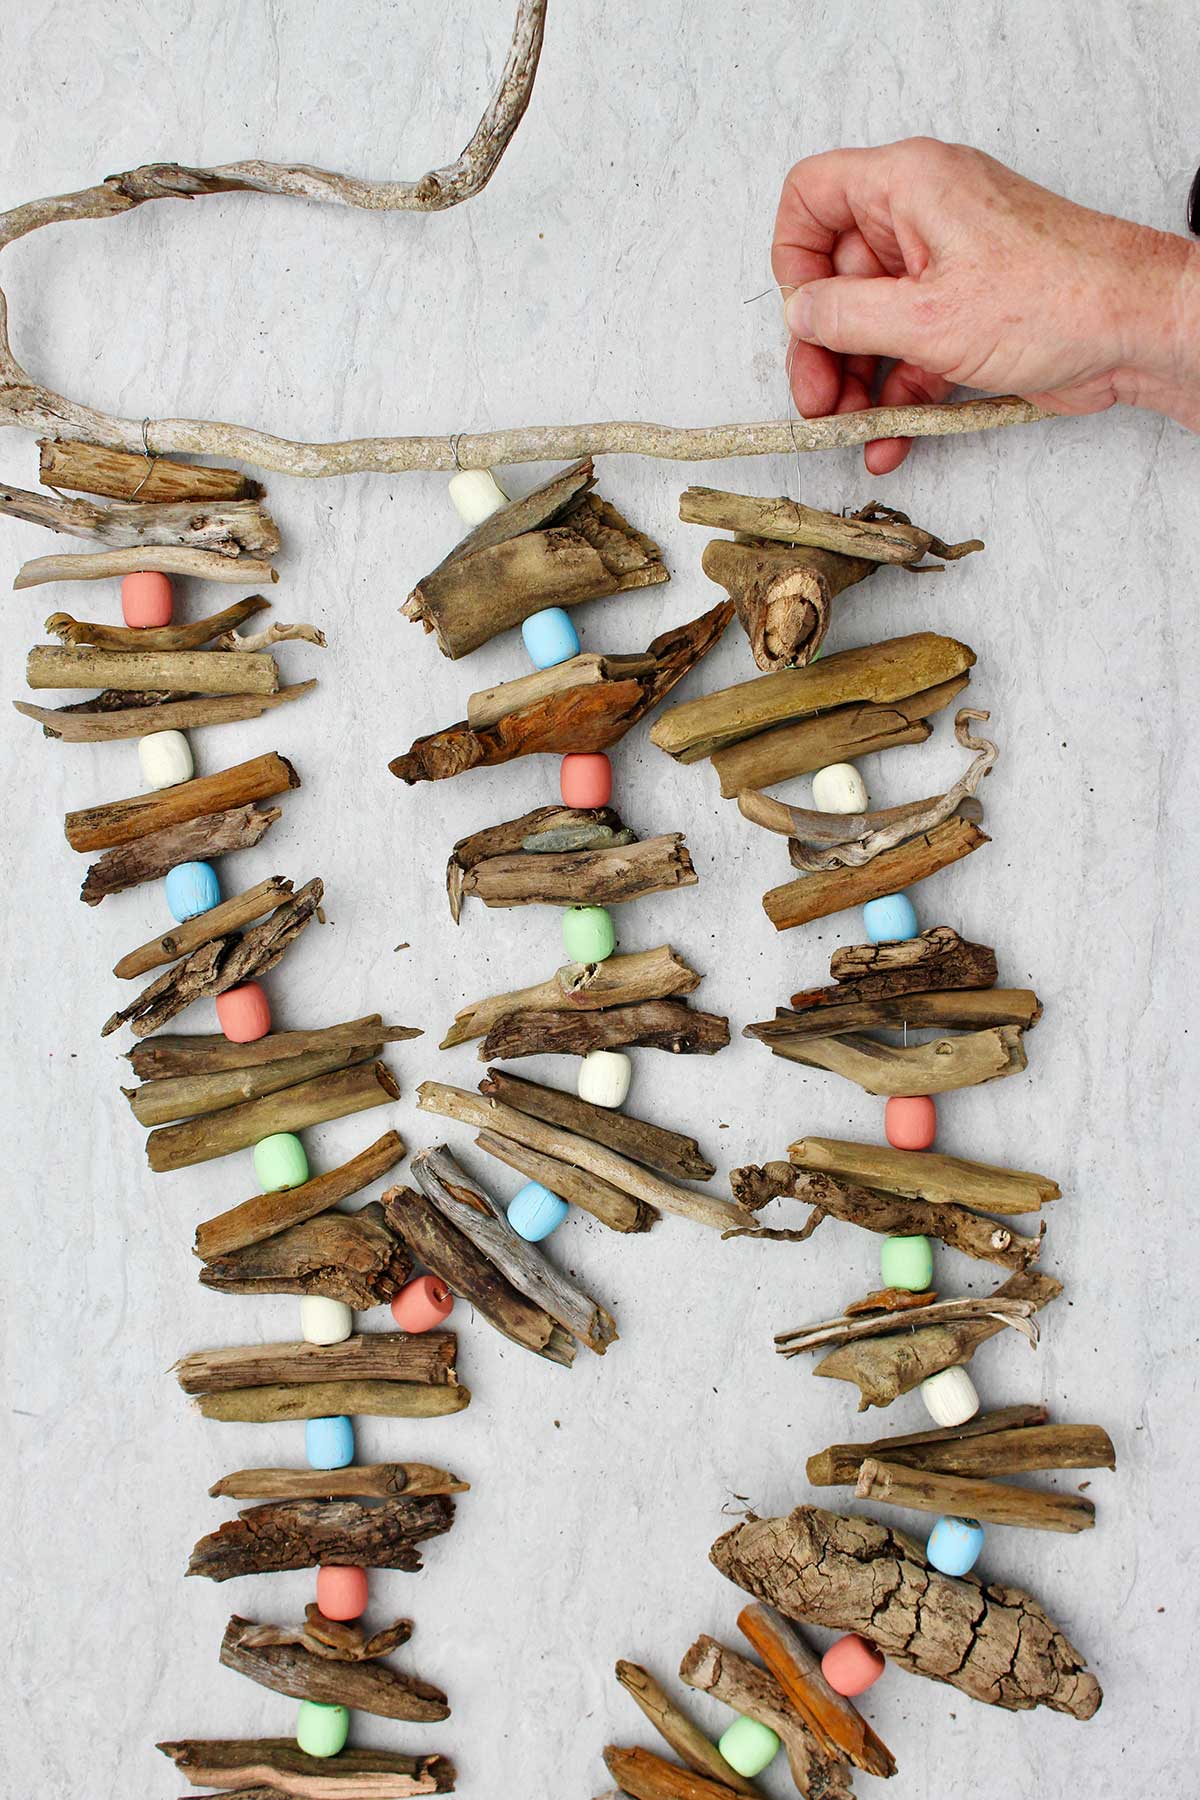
(603, 274)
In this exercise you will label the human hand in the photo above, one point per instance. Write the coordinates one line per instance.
(964, 272)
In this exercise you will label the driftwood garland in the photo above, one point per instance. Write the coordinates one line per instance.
(117, 822)
(297, 1534)
(96, 723)
(1014, 1440)
(353, 1257)
(257, 1652)
(265, 1215)
(228, 529)
(375, 1481)
(291, 1109)
(196, 840)
(259, 1768)
(656, 974)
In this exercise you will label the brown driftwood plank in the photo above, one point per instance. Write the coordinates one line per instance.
(517, 834)
(656, 974)
(1000, 1449)
(210, 1053)
(833, 890)
(292, 1109)
(840, 1463)
(584, 877)
(376, 1355)
(192, 636)
(101, 565)
(641, 1775)
(676, 1729)
(619, 1211)
(118, 822)
(191, 1096)
(181, 940)
(654, 1024)
(330, 1399)
(264, 1215)
(939, 1067)
(377, 1481)
(282, 1768)
(876, 532)
(992, 1502)
(93, 469)
(353, 1257)
(965, 1009)
(366, 1686)
(152, 857)
(585, 670)
(298, 1534)
(754, 1693)
(927, 1175)
(159, 671)
(834, 1720)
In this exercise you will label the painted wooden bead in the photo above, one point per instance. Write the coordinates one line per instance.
(476, 495)
(585, 779)
(906, 1262)
(950, 1397)
(165, 759)
(342, 1592)
(954, 1545)
(839, 789)
(192, 888)
(550, 637)
(280, 1162)
(588, 934)
(324, 1321)
(852, 1665)
(244, 1012)
(329, 1443)
(321, 1729)
(910, 1121)
(147, 599)
(534, 1212)
(748, 1746)
(604, 1077)
(890, 919)
(422, 1304)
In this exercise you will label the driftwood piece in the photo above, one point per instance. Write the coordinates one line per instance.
(880, 673)
(182, 939)
(372, 1356)
(92, 469)
(753, 1693)
(641, 1775)
(94, 725)
(292, 1109)
(876, 532)
(936, 1068)
(328, 1399)
(282, 1768)
(265, 1215)
(353, 1257)
(853, 1327)
(364, 1685)
(990, 1641)
(834, 830)
(191, 1096)
(818, 896)
(784, 596)
(891, 1300)
(991, 1502)
(938, 961)
(656, 1147)
(157, 671)
(227, 528)
(584, 877)
(210, 1053)
(196, 840)
(481, 1218)
(927, 1175)
(965, 1009)
(617, 1210)
(374, 1481)
(834, 1721)
(490, 705)
(331, 1639)
(592, 717)
(117, 822)
(297, 1534)
(103, 565)
(655, 1024)
(515, 834)
(582, 987)
(192, 636)
(1011, 1441)
(676, 1729)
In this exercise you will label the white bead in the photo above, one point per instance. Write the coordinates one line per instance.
(950, 1397)
(476, 495)
(325, 1321)
(165, 758)
(839, 789)
(604, 1077)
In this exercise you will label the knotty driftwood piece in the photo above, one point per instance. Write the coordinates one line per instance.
(656, 974)
(116, 474)
(196, 840)
(155, 671)
(583, 877)
(96, 725)
(936, 960)
(617, 1210)
(655, 1146)
(522, 833)
(376, 1481)
(641, 1775)
(211, 1053)
(228, 915)
(965, 1009)
(192, 636)
(784, 596)
(875, 532)
(818, 896)
(935, 1068)
(927, 1175)
(367, 1356)
(297, 1534)
(105, 565)
(335, 1640)
(290, 1668)
(1011, 1441)
(481, 1218)
(275, 1766)
(991, 1502)
(229, 528)
(265, 1215)
(489, 705)
(655, 1024)
(755, 1694)
(834, 1721)
(676, 1729)
(592, 717)
(354, 1257)
(291, 1109)
(117, 822)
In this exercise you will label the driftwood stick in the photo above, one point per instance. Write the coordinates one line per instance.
(489, 705)
(103, 565)
(353, 1257)
(877, 532)
(229, 915)
(196, 840)
(210, 1053)
(584, 877)
(667, 1152)
(281, 1768)
(833, 830)
(96, 726)
(292, 1109)
(192, 636)
(992, 1502)
(227, 529)
(91, 469)
(838, 1465)
(157, 671)
(371, 1356)
(1001, 1450)
(927, 1175)
(641, 1775)
(656, 1024)
(839, 1010)
(784, 596)
(818, 896)
(676, 1729)
(373, 1481)
(292, 1669)
(264, 1215)
(117, 822)
(936, 1068)
(852, 1327)
(833, 1720)
(325, 1399)
(517, 834)
(755, 1694)
(619, 981)
(617, 1210)
(191, 1096)
(296, 1534)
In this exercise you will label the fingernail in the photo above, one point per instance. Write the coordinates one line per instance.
(798, 314)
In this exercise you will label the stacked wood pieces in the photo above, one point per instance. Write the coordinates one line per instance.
(390, 1374)
(559, 856)
(333, 1664)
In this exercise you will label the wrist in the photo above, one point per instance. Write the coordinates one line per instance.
(1160, 327)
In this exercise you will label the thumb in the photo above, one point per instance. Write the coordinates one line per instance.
(869, 316)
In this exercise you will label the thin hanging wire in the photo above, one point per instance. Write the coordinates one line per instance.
(790, 413)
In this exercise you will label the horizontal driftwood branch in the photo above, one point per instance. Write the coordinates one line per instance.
(584, 877)
(927, 1175)
(292, 1109)
(105, 565)
(228, 528)
(537, 829)
(93, 725)
(371, 1356)
(490, 705)
(117, 822)
(851, 1328)
(689, 1743)
(936, 960)
(192, 636)
(332, 1640)
(182, 939)
(834, 1720)
(290, 1668)
(196, 840)
(120, 475)
(297, 1534)
(269, 1766)
(992, 1502)
(374, 1481)
(618, 1210)
(330, 1399)
(1002, 1450)
(655, 1024)
(818, 896)
(838, 1465)
(876, 533)
(191, 1096)
(584, 987)
(352, 1257)
(839, 1010)
(210, 1053)
(264, 1215)
(655, 1146)
(935, 1068)
(754, 1693)
(154, 671)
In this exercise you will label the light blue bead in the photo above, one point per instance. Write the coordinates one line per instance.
(891, 919)
(192, 888)
(550, 637)
(329, 1443)
(954, 1545)
(535, 1212)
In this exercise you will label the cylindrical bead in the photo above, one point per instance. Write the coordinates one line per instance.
(839, 788)
(910, 1121)
(549, 637)
(329, 1443)
(475, 495)
(585, 779)
(147, 599)
(324, 1321)
(534, 1212)
(422, 1303)
(949, 1396)
(954, 1545)
(748, 1746)
(191, 888)
(604, 1077)
(906, 1262)
(280, 1162)
(342, 1592)
(851, 1665)
(244, 1012)
(165, 759)
(589, 935)
(891, 919)
(321, 1729)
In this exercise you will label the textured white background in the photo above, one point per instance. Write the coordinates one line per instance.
(602, 275)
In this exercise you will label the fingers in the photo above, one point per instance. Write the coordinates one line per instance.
(824, 196)
(905, 385)
(880, 317)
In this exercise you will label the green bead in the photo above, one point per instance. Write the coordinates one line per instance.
(748, 1746)
(322, 1730)
(588, 935)
(280, 1162)
(906, 1262)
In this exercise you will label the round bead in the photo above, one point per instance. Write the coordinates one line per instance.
(585, 779)
(890, 919)
(165, 759)
(191, 888)
(748, 1746)
(146, 599)
(534, 1212)
(910, 1121)
(324, 1321)
(342, 1592)
(280, 1162)
(422, 1304)
(475, 495)
(549, 637)
(329, 1443)
(950, 1397)
(604, 1077)
(321, 1730)
(244, 1012)
(851, 1665)
(954, 1545)
(588, 934)
(906, 1262)
(839, 789)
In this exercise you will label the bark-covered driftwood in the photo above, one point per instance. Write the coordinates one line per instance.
(104, 565)
(120, 475)
(834, 1720)
(584, 877)
(182, 939)
(935, 961)
(353, 1257)
(754, 1693)
(198, 840)
(689, 1743)
(784, 595)
(939, 1067)
(966, 1497)
(229, 527)
(597, 825)
(927, 1175)
(211, 1053)
(427, 1356)
(261, 1768)
(290, 1668)
(655, 1024)
(118, 822)
(654, 974)
(832, 891)
(1012, 1441)
(298, 1534)
(157, 671)
(990, 1641)
(578, 1187)
(375, 1481)
(876, 532)
(655, 1146)
(962, 1009)
(292, 1109)
(265, 1215)
(95, 723)
(491, 704)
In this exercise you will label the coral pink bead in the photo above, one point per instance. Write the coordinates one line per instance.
(244, 1013)
(910, 1122)
(422, 1304)
(146, 599)
(341, 1592)
(851, 1665)
(585, 779)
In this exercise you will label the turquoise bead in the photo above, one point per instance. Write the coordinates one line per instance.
(321, 1730)
(588, 934)
(329, 1443)
(890, 919)
(906, 1262)
(748, 1746)
(550, 637)
(954, 1545)
(192, 889)
(280, 1162)
(534, 1212)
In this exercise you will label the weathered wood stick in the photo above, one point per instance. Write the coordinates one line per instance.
(667, 1152)
(117, 822)
(182, 939)
(818, 896)
(840, 1463)
(196, 840)
(191, 1096)
(640, 1775)
(618, 981)
(515, 834)
(992, 1502)
(227, 529)
(584, 877)
(999, 1450)
(962, 1008)
(102, 565)
(834, 1721)
(192, 636)
(264, 1215)
(93, 469)
(784, 595)
(617, 1210)
(292, 1109)
(209, 1053)
(372, 1481)
(353, 1257)
(280, 1767)
(753, 1693)
(159, 671)
(333, 1640)
(676, 1729)
(655, 1024)
(489, 705)
(852, 1327)
(936, 1068)
(366, 1686)
(73, 726)
(370, 1356)
(992, 1642)
(876, 533)
(327, 1399)
(296, 1534)
(927, 1175)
